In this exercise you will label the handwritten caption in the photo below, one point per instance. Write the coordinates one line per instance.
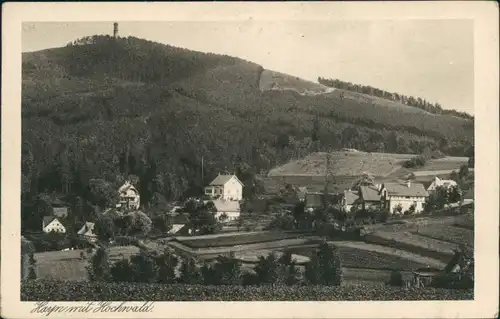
(48, 308)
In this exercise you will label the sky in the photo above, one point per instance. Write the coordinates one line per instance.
(431, 59)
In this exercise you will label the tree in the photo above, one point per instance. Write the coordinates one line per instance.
(167, 263)
(398, 209)
(225, 271)
(102, 193)
(325, 266)
(122, 271)
(464, 172)
(202, 217)
(190, 272)
(292, 274)
(144, 267)
(267, 269)
(105, 228)
(140, 225)
(99, 268)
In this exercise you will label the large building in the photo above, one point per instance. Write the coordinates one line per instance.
(129, 196)
(402, 197)
(227, 187)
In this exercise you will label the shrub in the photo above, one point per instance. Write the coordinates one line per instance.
(99, 268)
(190, 272)
(267, 269)
(49, 290)
(396, 279)
(325, 267)
(122, 271)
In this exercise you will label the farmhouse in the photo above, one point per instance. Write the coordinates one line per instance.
(129, 196)
(87, 232)
(227, 187)
(437, 182)
(404, 195)
(52, 224)
(229, 208)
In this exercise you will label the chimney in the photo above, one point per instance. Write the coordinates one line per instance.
(115, 29)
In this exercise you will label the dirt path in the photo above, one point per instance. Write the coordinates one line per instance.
(392, 251)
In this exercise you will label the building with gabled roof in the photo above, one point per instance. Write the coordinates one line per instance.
(437, 182)
(129, 196)
(52, 224)
(87, 232)
(406, 195)
(225, 186)
(350, 199)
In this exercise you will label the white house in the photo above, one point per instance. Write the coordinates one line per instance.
(229, 208)
(404, 195)
(227, 187)
(436, 182)
(87, 232)
(129, 196)
(52, 224)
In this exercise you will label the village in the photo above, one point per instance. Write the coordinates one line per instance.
(221, 222)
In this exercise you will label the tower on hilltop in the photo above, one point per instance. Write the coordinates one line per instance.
(115, 29)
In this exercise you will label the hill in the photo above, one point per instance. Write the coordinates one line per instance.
(103, 108)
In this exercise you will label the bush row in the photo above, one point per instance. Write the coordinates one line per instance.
(41, 290)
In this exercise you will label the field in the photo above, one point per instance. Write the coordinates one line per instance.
(347, 167)
(237, 239)
(421, 245)
(271, 80)
(451, 234)
(362, 255)
(67, 265)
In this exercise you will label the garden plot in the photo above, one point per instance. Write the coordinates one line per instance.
(451, 234)
(228, 240)
(414, 243)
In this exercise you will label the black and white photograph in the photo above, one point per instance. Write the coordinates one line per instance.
(248, 160)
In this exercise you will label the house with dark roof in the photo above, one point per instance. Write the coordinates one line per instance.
(370, 196)
(350, 199)
(317, 200)
(225, 186)
(52, 224)
(87, 232)
(403, 196)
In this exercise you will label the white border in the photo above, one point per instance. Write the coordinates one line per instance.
(485, 16)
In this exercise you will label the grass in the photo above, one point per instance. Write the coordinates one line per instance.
(414, 243)
(451, 234)
(271, 80)
(67, 265)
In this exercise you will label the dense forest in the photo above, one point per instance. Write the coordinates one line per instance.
(102, 109)
(434, 108)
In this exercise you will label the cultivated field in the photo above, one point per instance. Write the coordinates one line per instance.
(67, 265)
(451, 234)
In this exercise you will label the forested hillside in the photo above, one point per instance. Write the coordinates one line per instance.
(103, 108)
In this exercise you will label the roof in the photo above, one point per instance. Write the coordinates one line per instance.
(47, 220)
(369, 193)
(316, 199)
(179, 219)
(226, 205)
(222, 179)
(60, 211)
(350, 197)
(402, 189)
(87, 229)
(126, 186)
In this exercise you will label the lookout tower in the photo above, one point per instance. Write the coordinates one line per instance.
(115, 29)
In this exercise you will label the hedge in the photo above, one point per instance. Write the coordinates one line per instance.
(49, 290)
